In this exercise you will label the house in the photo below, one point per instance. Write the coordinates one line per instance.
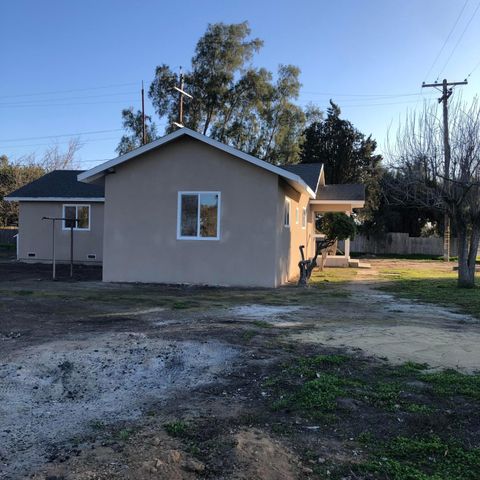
(59, 194)
(188, 209)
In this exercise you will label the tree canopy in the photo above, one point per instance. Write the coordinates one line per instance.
(347, 154)
(234, 102)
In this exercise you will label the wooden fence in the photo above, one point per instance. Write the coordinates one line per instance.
(401, 244)
(7, 235)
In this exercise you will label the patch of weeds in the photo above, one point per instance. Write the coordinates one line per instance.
(383, 394)
(125, 434)
(24, 292)
(365, 437)
(316, 396)
(262, 324)
(309, 366)
(452, 382)
(182, 305)
(178, 428)
(98, 425)
(409, 368)
(248, 335)
(281, 429)
(428, 458)
(271, 382)
(419, 408)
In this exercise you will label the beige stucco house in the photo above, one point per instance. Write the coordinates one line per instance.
(188, 209)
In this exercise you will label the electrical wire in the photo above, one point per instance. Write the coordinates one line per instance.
(459, 40)
(446, 40)
(92, 132)
(68, 91)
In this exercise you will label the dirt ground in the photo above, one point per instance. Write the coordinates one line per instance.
(107, 381)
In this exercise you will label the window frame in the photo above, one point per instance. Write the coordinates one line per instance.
(288, 202)
(179, 215)
(76, 205)
(304, 218)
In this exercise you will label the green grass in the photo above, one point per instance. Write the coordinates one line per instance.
(427, 458)
(438, 286)
(317, 396)
(451, 382)
(177, 428)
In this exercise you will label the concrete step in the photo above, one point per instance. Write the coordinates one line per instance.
(355, 263)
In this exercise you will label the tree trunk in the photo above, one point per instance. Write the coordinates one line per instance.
(467, 255)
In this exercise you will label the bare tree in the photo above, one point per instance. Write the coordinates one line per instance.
(418, 157)
(56, 159)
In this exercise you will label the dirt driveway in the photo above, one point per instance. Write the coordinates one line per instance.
(86, 366)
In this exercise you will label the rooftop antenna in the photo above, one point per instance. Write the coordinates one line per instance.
(144, 132)
(181, 93)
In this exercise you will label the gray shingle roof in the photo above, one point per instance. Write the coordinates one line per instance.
(347, 191)
(59, 184)
(309, 172)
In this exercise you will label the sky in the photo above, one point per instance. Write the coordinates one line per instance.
(68, 68)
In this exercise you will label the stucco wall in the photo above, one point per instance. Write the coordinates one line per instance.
(36, 234)
(140, 241)
(289, 239)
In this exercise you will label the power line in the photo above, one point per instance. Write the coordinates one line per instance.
(30, 102)
(447, 39)
(459, 40)
(379, 104)
(474, 68)
(92, 132)
(69, 91)
(384, 95)
(50, 104)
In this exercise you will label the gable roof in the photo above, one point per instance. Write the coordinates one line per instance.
(349, 192)
(58, 185)
(310, 172)
(293, 178)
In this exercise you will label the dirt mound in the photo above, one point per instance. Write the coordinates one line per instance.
(261, 457)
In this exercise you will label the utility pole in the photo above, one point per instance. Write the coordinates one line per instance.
(181, 94)
(447, 91)
(144, 134)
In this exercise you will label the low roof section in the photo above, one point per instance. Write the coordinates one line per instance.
(352, 193)
(59, 185)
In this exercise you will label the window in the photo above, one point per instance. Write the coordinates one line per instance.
(297, 221)
(76, 216)
(286, 212)
(198, 216)
(304, 217)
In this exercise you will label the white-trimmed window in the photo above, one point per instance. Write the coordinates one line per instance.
(286, 212)
(198, 216)
(304, 217)
(76, 216)
(297, 216)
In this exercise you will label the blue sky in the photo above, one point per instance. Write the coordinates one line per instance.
(69, 67)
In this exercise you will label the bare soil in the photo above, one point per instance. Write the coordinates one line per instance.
(115, 381)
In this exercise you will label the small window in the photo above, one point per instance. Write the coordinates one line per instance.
(297, 217)
(286, 212)
(76, 216)
(198, 216)
(304, 217)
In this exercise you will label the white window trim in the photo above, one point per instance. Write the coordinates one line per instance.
(76, 205)
(297, 216)
(289, 203)
(304, 218)
(179, 215)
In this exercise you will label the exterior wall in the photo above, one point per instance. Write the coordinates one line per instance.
(289, 239)
(140, 241)
(35, 234)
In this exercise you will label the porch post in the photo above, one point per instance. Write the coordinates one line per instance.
(347, 248)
